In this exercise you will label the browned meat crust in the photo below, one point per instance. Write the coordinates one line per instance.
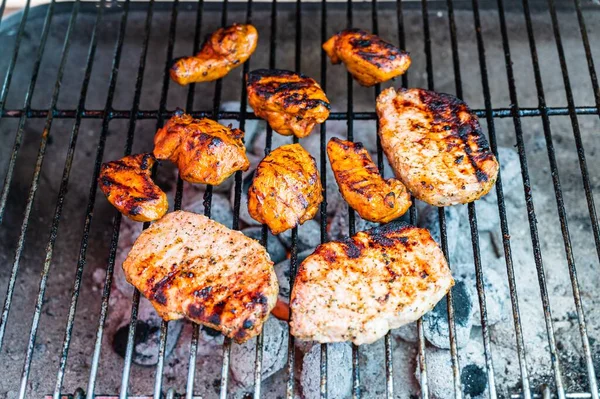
(368, 58)
(291, 103)
(226, 49)
(127, 184)
(205, 151)
(435, 146)
(190, 266)
(362, 186)
(360, 288)
(286, 190)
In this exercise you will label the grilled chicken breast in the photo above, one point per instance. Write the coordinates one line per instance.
(362, 186)
(369, 59)
(226, 49)
(127, 184)
(190, 266)
(435, 145)
(286, 190)
(291, 103)
(358, 289)
(205, 151)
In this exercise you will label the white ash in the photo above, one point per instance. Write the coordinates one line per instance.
(435, 323)
(252, 127)
(244, 214)
(496, 292)
(275, 248)
(339, 224)
(428, 217)
(220, 208)
(274, 354)
(407, 333)
(309, 236)
(339, 371)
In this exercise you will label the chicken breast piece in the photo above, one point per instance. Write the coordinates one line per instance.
(225, 49)
(359, 289)
(368, 58)
(127, 184)
(435, 145)
(362, 186)
(205, 151)
(190, 266)
(291, 103)
(286, 190)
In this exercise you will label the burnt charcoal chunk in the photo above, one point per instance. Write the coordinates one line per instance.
(436, 325)
(275, 248)
(474, 380)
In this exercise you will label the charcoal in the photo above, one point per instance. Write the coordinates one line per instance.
(274, 354)
(473, 377)
(496, 292)
(407, 332)
(147, 336)
(274, 247)
(244, 215)
(252, 127)
(282, 269)
(339, 371)
(435, 323)
(309, 236)
(277, 140)
(128, 233)
(339, 224)
(428, 217)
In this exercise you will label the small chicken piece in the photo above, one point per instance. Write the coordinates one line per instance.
(286, 190)
(435, 145)
(291, 103)
(368, 58)
(188, 265)
(127, 184)
(360, 288)
(205, 151)
(226, 49)
(362, 186)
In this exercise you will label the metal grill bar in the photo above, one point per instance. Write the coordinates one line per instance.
(56, 220)
(530, 207)
(333, 116)
(472, 222)
(501, 204)
(107, 114)
(11, 165)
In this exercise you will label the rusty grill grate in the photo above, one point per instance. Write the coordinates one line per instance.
(136, 114)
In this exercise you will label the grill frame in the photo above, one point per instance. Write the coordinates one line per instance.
(135, 114)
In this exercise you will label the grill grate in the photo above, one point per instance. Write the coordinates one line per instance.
(136, 114)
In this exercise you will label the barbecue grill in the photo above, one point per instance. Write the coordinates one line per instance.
(49, 90)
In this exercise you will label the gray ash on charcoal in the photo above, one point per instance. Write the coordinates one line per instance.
(309, 236)
(282, 270)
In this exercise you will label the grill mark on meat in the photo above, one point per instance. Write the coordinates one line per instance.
(446, 110)
(157, 292)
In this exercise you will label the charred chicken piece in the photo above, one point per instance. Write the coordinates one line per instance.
(190, 266)
(286, 190)
(225, 49)
(435, 145)
(359, 289)
(369, 59)
(362, 186)
(205, 151)
(127, 184)
(291, 103)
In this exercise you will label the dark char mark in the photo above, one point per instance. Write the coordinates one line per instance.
(158, 291)
(445, 109)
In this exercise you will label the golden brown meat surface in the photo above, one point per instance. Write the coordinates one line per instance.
(435, 145)
(286, 190)
(190, 266)
(362, 186)
(291, 103)
(127, 184)
(359, 289)
(205, 151)
(368, 58)
(225, 49)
